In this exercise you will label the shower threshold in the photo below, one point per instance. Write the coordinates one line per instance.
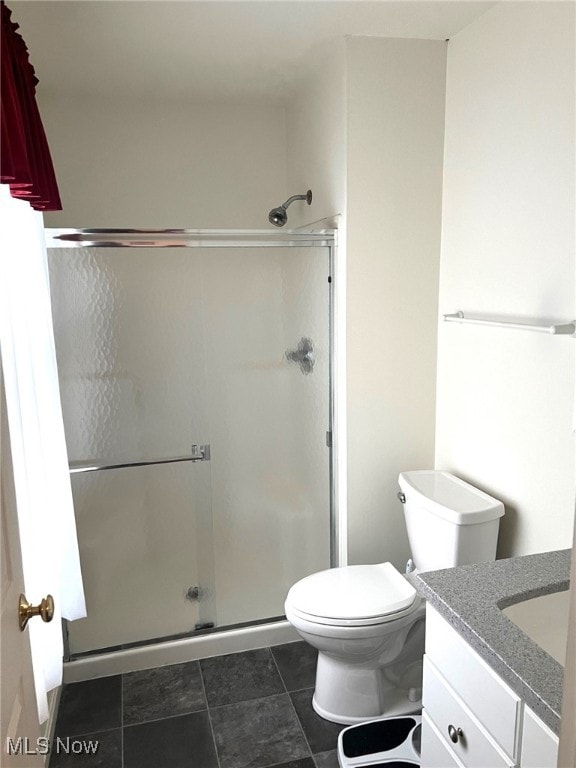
(169, 638)
(175, 649)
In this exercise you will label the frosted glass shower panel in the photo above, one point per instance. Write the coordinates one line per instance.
(131, 360)
(268, 420)
(141, 535)
(130, 347)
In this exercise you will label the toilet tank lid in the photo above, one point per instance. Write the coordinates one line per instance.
(450, 498)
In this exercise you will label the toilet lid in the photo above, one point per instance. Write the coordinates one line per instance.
(353, 592)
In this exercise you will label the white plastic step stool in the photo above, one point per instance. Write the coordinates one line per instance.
(393, 742)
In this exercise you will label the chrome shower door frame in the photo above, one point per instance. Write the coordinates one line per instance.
(223, 238)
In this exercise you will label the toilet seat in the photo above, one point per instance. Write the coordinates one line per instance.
(365, 622)
(354, 595)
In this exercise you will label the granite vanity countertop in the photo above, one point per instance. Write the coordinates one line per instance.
(470, 597)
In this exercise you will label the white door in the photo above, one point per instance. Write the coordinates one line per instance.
(19, 718)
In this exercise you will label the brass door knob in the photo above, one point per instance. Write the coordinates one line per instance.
(26, 611)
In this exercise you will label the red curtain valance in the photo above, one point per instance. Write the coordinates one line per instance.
(25, 162)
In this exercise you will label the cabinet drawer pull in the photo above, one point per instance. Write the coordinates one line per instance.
(455, 733)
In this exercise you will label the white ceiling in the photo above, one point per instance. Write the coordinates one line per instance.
(216, 50)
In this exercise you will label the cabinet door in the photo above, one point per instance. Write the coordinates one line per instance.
(539, 743)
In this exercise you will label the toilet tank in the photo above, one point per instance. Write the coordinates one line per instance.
(449, 522)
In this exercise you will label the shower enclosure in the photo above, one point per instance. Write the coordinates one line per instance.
(195, 375)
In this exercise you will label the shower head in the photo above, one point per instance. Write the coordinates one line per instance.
(279, 217)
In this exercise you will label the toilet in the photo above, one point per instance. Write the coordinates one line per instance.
(367, 621)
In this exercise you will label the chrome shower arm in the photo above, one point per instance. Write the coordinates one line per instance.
(307, 197)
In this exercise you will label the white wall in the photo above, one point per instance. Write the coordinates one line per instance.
(395, 131)
(128, 163)
(316, 139)
(506, 398)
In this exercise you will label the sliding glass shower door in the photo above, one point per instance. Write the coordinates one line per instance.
(217, 362)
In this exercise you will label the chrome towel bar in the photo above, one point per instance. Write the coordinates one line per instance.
(566, 329)
(199, 453)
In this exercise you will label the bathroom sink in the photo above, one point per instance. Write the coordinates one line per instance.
(545, 620)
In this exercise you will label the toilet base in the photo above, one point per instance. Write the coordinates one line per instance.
(414, 709)
(347, 693)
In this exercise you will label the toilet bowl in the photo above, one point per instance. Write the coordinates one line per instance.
(367, 623)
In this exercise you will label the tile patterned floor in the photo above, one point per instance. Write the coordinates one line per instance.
(244, 710)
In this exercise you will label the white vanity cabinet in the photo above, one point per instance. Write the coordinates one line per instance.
(471, 718)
